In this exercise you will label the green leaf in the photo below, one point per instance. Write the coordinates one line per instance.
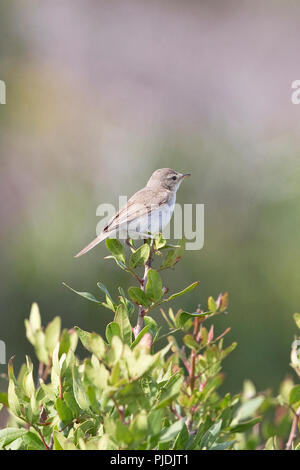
(56, 365)
(140, 256)
(118, 431)
(138, 296)
(183, 321)
(128, 304)
(71, 403)
(222, 302)
(116, 248)
(35, 317)
(52, 334)
(140, 336)
(242, 427)
(119, 263)
(170, 260)
(62, 443)
(184, 317)
(159, 241)
(139, 426)
(84, 337)
(191, 343)
(184, 291)
(272, 444)
(3, 398)
(13, 400)
(211, 435)
(154, 286)
(212, 305)
(155, 419)
(13, 391)
(109, 301)
(172, 431)
(153, 326)
(65, 343)
(32, 441)
(79, 392)
(181, 439)
(294, 395)
(64, 412)
(33, 324)
(121, 317)
(174, 255)
(28, 382)
(8, 435)
(247, 409)
(97, 345)
(86, 295)
(180, 247)
(91, 341)
(170, 391)
(222, 445)
(112, 329)
(40, 347)
(297, 319)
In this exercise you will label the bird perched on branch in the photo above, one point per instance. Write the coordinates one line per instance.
(147, 212)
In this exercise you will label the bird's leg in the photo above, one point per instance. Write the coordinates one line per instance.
(146, 236)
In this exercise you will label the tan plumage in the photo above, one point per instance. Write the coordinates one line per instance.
(160, 190)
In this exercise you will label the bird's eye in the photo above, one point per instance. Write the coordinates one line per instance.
(174, 178)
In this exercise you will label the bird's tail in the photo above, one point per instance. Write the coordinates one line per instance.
(93, 243)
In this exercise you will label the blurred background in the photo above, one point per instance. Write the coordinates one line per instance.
(102, 93)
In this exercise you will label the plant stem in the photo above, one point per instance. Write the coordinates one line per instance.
(142, 311)
(131, 271)
(121, 413)
(293, 433)
(60, 388)
(42, 437)
(193, 355)
(47, 370)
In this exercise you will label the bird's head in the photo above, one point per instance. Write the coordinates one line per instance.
(166, 178)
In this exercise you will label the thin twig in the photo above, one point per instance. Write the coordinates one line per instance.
(166, 318)
(193, 355)
(42, 437)
(293, 433)
(60, 388)
(142, 310)
(47, 370)
(175, 412)
(121, 413)
(131, 271)
(168, 334)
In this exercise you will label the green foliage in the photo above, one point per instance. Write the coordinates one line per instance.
(132, 390)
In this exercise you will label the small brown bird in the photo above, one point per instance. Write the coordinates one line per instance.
(148, 210)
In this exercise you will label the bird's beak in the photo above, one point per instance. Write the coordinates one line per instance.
(185, 175)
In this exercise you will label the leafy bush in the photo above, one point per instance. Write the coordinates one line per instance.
(138, 388)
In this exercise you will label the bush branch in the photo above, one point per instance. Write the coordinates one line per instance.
(142, 310)
(293, 432)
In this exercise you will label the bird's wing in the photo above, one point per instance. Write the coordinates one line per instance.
(139, 205)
